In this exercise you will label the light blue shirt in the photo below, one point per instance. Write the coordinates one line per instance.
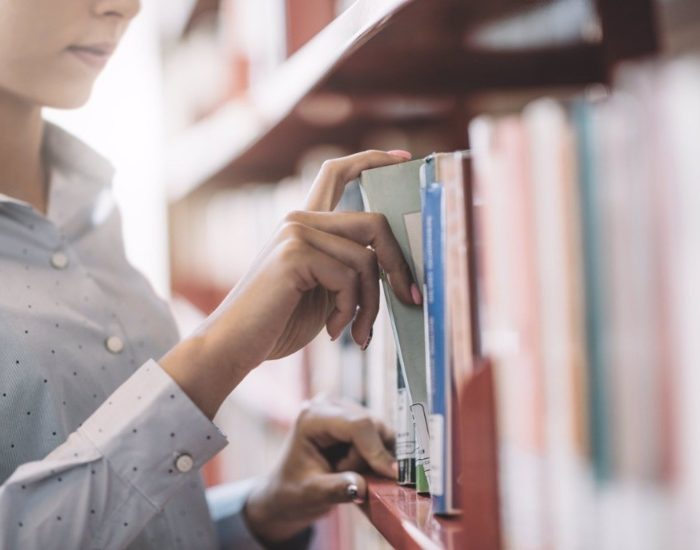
(99, 447)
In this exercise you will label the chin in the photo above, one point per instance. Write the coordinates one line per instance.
(67, 97)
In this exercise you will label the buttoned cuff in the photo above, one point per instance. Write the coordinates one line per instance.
(152, 435)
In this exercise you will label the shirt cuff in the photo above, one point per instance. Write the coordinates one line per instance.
(152, 435)
(226, 506)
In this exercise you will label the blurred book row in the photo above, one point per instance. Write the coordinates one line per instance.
(586, 216)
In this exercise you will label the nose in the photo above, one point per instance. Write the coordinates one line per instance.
(126, 9)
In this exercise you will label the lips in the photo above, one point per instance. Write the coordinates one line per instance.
(93, 55)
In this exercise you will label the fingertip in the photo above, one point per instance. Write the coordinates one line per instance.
(361, 334)
(335, 324)
(400, 153)
(416, 294)
(402, 282)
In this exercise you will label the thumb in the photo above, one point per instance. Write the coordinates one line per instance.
(338, 488)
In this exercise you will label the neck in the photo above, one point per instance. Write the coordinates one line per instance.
(22, 171)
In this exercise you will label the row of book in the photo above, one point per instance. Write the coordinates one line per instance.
(564, 249)
(586, 213)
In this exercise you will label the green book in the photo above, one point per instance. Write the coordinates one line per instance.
(394, 191)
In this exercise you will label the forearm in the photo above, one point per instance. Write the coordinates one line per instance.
(204, 381)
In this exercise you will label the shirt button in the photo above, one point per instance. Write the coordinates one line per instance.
(114, 344)
(59, 260)
(184, 463)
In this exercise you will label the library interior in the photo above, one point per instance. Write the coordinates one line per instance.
(543, 395)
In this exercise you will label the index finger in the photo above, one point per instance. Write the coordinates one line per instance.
(367, 229)
(328, 186)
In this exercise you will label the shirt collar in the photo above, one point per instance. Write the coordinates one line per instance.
(71, 155)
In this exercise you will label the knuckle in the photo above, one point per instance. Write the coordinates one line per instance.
(291, 249)
(295, 216)
(330, 166)
(380, 222)
(292, 230)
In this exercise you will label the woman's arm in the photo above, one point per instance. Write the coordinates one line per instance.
(114, 473)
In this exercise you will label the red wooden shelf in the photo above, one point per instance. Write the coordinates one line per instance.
(406, 521)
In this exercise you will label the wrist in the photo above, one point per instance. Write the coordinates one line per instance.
(205, 382)
(266, 514)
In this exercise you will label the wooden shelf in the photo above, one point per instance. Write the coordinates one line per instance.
(406, 521)
(405, 64)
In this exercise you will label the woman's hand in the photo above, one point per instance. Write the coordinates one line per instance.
(331, 442)
(320, 269)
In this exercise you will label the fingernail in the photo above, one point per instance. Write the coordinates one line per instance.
(369, 339)
(401, 154)
(395, 469)
(416, 295)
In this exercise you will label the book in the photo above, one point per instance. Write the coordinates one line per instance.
(394, 191)
(553, 170)
(589, 180)
(510, 330)
(449, 334)
(405, 433)
(437, 338)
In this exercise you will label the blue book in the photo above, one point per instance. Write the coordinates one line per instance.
(437, 356)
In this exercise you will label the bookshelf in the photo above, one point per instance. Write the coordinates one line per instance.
(456, 49)
(361, 73)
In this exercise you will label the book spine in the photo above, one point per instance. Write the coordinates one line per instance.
(440, 417)
(405, 432)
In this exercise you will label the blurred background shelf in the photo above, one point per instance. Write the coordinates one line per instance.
(407, 64)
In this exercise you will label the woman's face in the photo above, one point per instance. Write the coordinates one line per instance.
(51, 51)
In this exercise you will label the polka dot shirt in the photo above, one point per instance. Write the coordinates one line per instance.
(99, 448)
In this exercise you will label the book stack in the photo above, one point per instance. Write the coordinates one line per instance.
(584, 211)
(564, 248)
(426, 204)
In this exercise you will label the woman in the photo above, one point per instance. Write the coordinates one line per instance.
(106, 417)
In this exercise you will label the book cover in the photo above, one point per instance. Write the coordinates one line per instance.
(439, 372)
(394, 191)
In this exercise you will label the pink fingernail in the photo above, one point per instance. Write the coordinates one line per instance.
(401, 154)
(416, 295)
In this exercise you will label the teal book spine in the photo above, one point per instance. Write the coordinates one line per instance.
(598, 396)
